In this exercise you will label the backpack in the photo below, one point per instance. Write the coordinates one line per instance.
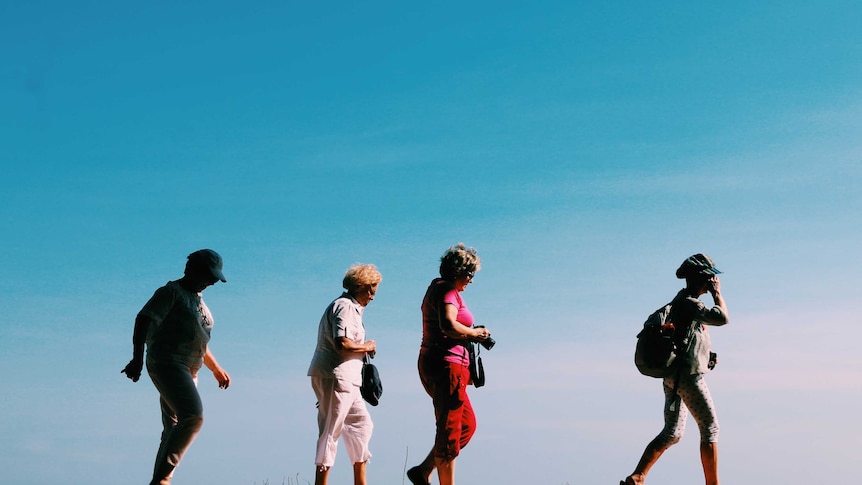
(656, 352)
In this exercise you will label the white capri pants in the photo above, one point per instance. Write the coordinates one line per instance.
(695, 397)
(341, 411)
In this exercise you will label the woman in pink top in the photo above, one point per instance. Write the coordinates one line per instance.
(447, 325)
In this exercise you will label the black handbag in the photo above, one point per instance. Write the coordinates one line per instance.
(477, 372)
(372, 386)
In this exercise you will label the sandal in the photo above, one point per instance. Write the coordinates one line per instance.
(415, 476)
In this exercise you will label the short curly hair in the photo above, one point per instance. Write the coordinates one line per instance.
(459, 260)
(361, 275)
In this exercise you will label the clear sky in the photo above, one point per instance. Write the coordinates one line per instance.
(584, 148)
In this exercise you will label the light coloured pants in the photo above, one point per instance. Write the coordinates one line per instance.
(341, 412)
(692, 395)
(182, 415)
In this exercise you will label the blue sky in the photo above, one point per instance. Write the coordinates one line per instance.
(585, 149)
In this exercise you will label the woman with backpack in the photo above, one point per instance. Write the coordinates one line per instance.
(686, 390)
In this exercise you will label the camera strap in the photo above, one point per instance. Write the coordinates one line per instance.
(477, 371)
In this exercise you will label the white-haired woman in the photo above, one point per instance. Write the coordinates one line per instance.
(336, 375)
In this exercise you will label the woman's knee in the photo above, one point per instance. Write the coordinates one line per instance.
(447, 451)
(193, 422)
(710, 433)
(668, 439)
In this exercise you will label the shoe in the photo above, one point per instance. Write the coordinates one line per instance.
(416, 477)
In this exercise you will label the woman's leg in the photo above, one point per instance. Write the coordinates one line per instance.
(321, 475)
(421, 473)
(359, 473)
(445, 470)
(468, 420)
(675, 414)
(358, 428)
(709, 459)
(650, 456)
(695, 393)
(446, 383)
(334, 399)
(182, 416)
(456, 422)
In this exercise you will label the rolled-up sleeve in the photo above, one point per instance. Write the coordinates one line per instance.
(346, 321)
(159, 305)
(715, 316)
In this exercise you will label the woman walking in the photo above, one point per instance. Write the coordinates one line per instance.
(175, 324)
(687, 390)
(336, 375)
(447, 326)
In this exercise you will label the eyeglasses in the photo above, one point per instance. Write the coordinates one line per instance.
(469, 275)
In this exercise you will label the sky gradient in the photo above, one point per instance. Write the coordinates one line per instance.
(584, 148)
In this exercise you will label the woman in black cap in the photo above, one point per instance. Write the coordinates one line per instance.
(175, 324)
(686, 390)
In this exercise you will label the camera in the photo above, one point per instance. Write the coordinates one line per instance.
(488, 343)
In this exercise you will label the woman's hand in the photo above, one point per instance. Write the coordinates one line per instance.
(136, 365)
(133, 369)
(714, 285)
(480, 333)
(714, 288)
(222, 377)
(347, 346)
